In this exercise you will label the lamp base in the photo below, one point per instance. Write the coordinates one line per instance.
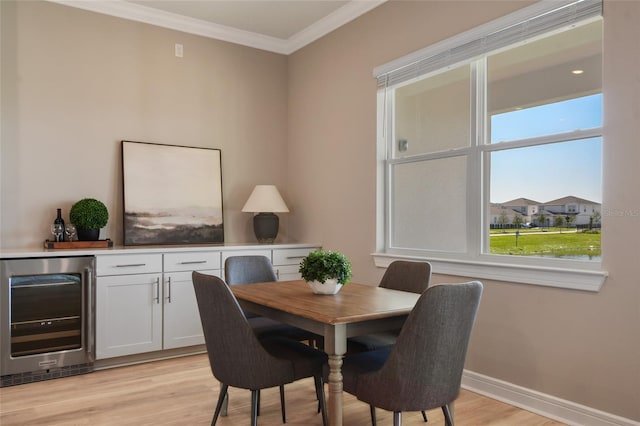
(265, 226)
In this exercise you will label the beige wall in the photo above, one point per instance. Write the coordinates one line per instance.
(582, 347)
(76, 83)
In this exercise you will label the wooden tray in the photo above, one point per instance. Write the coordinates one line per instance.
(77, 244)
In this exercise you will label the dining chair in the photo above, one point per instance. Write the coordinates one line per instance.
(255, 269)
(400, 275)
(239, 359)
(423, 370)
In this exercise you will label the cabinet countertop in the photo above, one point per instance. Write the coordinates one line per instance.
(42, 252)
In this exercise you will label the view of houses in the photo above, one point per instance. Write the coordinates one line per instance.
(566, 211)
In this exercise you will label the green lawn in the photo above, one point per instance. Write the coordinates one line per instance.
(547, 244)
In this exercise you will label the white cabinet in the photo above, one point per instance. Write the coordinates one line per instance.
(145, 301)
(182, 326)
(138, 311)
(286, 262)
(128, 306)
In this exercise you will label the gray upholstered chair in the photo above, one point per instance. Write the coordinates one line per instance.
(400, 275)
(255, 269)
(423, 370)
(239, 359)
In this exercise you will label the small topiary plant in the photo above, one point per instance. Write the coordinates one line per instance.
(89, 213)
(321, 265)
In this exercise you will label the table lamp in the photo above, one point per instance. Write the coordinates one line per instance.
(265, 200)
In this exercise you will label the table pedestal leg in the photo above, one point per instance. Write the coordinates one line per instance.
(335, 345)
(335, 390)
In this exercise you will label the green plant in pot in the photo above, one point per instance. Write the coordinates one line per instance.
(325, 271)
(88, 216)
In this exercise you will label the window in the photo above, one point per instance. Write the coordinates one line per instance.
(488, 156)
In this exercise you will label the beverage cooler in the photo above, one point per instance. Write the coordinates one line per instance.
(46, 318)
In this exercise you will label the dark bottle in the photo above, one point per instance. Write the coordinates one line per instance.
(59, 221)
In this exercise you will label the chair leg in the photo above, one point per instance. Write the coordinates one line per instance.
(221, 399)
(321, 400)
(225, 404)
(282, 409)
(258, 410)
(424, 416)
(372, 409)
(397, 418)
(448, 419)
(255, 398)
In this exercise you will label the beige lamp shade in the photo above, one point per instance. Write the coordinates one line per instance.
(265, 199)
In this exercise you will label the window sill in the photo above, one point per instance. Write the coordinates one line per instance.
(574, 279)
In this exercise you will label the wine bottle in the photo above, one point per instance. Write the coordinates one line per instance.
(59, 221)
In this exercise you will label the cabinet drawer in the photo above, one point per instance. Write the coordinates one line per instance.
(191, 261)
(290, 256)
(121, 264)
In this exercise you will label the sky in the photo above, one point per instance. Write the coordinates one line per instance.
(544, 173)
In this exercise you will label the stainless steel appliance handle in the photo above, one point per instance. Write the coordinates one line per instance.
(90, 322)
(157, 298)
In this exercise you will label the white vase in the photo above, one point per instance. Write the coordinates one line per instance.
(330, 286)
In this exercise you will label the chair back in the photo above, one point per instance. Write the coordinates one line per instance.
(407, 276)
(236, 356)
(248, 269)
(424, 369)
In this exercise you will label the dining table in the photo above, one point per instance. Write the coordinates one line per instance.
(356, 309)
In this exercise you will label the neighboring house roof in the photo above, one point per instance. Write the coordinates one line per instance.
(521, 202)
(570, 199)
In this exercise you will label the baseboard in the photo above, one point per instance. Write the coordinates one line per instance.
(123, 361)
(549, 406)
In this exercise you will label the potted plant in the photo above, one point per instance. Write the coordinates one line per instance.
(88, 216)
(325, 271)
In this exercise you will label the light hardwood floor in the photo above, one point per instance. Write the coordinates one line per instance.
(182, 391)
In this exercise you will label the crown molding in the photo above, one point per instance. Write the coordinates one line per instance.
(331, 22)
(148, 15)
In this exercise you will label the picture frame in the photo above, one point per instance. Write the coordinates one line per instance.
(172, 194)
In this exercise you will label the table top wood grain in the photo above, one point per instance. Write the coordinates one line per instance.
(353, 303)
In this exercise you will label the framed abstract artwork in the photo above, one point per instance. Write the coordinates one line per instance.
(172, 194)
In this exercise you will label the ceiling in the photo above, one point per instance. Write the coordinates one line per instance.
(281, 26)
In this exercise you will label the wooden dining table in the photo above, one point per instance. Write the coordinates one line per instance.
(357, 309)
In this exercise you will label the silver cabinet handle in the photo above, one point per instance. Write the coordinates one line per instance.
(131, 265)
(157, 298)
(296, 257)
(169, 289)
(193, 262)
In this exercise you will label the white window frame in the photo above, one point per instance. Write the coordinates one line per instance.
(571, 274)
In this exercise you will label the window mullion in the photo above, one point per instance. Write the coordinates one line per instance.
(475, 184)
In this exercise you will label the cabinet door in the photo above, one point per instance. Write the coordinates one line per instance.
(182, 326)
(128, 314)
